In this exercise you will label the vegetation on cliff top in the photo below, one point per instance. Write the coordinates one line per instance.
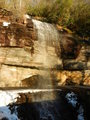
(72, 14)
(17, 7)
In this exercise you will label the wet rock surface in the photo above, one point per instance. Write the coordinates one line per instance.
(65, 104)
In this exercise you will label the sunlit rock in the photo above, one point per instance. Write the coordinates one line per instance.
(86, 80)
(69, 77)
(6, 24)
(38, 48)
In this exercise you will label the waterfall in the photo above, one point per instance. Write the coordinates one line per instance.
(46, 31)
(49, 40)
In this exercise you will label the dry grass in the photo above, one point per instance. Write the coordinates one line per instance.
(17, 9)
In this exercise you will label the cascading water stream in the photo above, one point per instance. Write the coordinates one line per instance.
(47, 36)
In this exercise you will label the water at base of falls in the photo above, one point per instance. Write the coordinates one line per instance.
(32, 104)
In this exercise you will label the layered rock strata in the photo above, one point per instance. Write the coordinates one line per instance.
(39, 49)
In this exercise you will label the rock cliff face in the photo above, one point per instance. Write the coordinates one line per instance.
(37, 50)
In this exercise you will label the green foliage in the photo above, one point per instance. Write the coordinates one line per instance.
(52, 11)
(80, 18)
(74, 14)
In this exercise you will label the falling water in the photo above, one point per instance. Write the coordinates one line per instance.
(48, 37)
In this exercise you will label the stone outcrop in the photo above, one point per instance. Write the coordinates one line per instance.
(39, 49)
(22, 55)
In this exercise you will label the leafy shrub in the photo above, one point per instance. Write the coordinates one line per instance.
(80, 18)
(73, 14)
(54, 12)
